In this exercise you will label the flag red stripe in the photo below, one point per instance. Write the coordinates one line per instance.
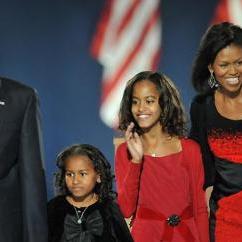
(156, 59)
(221, 12)
(110, 84)
(101, 28)
(127, 17)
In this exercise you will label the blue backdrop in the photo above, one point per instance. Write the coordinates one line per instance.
(46, 43)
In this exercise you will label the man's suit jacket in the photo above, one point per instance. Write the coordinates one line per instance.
(22, 180)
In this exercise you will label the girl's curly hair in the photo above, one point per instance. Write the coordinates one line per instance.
(101, 166)
(172, 112)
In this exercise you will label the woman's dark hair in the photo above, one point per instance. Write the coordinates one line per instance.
(172, 112)
(101, 166)
(216, 38)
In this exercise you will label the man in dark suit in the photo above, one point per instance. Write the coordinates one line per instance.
(22, 180)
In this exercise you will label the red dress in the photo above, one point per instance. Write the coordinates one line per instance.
(161, 187)
(221, 142)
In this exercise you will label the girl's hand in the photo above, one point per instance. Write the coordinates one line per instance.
(134, 143)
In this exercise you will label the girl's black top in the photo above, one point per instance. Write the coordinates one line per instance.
(101, 222)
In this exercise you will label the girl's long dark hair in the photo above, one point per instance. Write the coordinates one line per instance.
(172, 112)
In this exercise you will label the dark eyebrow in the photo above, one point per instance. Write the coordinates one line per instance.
(78, 170)
(226, 62)
(151, 96)
(240, 58)
(145, 97)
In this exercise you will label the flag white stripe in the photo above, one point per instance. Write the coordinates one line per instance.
(115, 50)
(112, 53)
(110, 107)
(235, 11)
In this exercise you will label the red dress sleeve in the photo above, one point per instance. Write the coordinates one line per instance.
(199, 200)
(127, 179)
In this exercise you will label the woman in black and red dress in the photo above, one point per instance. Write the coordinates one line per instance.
(216, 117)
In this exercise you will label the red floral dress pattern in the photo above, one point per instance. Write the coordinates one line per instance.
(229, 219)
(226, 145)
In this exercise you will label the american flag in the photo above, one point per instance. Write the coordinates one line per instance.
(229, 10)
(127, 41)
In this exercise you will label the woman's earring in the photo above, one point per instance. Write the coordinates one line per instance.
(99, 179)
(212, 82)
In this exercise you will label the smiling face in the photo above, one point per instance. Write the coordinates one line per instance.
(145, 104)
(81, 177)
(227, 68)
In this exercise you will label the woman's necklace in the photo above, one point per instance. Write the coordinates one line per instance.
(79, 218)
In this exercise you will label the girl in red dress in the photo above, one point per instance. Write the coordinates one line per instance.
(159, 172)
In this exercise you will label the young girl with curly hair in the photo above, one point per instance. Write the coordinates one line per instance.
(85, 210)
